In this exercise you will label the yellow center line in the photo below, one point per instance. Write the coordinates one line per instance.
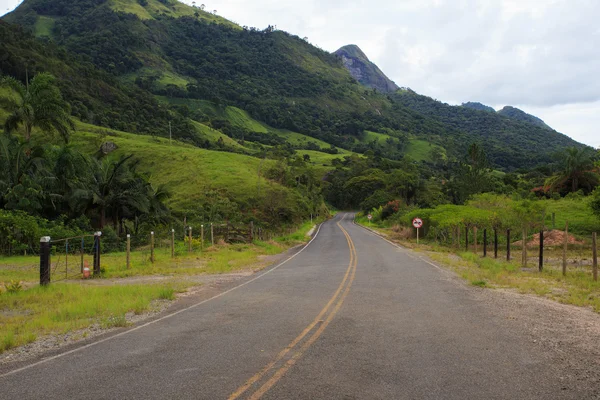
(281, 371)
(305, 332)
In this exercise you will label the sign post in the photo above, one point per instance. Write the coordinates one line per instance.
(370, 218)
(417, 223)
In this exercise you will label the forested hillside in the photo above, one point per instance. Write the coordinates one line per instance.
(167, 49)
(509, 143)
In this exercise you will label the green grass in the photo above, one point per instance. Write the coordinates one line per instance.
(187, 171)
(421, 150)
(65, 307)
(44, 26)
(575, 210)
(176, 9)
(242, 119)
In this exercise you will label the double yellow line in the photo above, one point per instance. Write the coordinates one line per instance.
(284, 363)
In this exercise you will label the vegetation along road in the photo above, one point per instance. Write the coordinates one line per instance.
(349, 316)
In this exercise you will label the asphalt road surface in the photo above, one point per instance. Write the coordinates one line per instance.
(349, 317)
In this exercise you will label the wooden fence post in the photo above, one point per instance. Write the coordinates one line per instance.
(152, 247)
(524, 252)
(202, 237)
(475, 239)
(172, 243)
(466, 238)
(595, 256)
(541, 263)
(190, 240)
(45, 260)
(81, 251)
(485, 242)
(97, 268)
(565, 248)
(495, 243)
(212, 235)
(251, 231)
(67, 259)
(508, 245)
(128, 259)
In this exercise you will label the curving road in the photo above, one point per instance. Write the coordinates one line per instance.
(349, 317)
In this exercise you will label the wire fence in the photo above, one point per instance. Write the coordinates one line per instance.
(75, 257)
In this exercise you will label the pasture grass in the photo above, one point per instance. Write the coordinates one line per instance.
(64, 307)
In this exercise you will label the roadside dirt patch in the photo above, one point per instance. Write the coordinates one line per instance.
(551, 238)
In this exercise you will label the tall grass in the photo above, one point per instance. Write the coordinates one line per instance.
(63, 307)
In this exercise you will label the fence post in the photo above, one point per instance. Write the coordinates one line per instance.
(128, 251)
(475, 239)
(67, 259)
(485, 242)
(152, 247)
(212, 235)
(190, 240)
(466, 238)
(508, 245)
(172, 243)
(541, 265)
(495, 243)
(81, 251)
(227, 234)
(44, 260)
(251, 231)
(595, 256)
(97, 253)
(565, 248)
(524, 252)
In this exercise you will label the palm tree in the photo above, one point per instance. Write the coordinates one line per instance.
(22, 175)
(117, 191)
(576, 169)
(37, 104)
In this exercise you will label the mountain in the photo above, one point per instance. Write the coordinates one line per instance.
(519, 115)
(478, 106)
(136, 65)
(508, 142)
(363, 70)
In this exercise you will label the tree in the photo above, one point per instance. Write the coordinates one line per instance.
(38, 104)
(576, 171)
(595, 203)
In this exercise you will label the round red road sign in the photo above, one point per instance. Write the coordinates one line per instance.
(417, 222)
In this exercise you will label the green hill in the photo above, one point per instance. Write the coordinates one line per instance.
(509, 143)
(137, 66)
(519, 115)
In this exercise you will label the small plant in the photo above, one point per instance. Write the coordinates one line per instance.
(166, 294)
(115, 321)
(13, 287)
(8, 342)
(479, 283)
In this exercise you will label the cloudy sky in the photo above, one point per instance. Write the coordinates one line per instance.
(539, 55)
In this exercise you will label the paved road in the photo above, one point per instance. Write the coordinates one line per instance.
(349, 317)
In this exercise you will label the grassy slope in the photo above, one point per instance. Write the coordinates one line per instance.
(241, 118)
(176, 9)
(420, 150)
(188, 172)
